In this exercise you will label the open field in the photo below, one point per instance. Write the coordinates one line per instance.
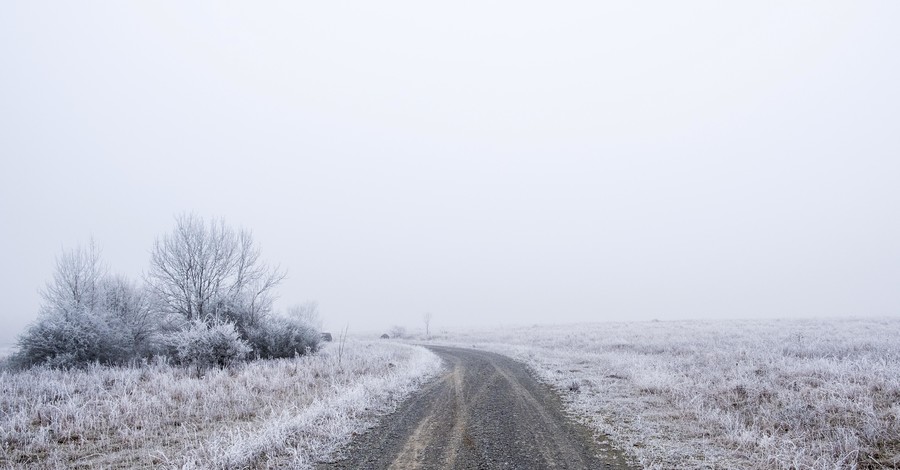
(267, 413)
(800, 394)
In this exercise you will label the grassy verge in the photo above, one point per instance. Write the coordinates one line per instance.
(286, 413)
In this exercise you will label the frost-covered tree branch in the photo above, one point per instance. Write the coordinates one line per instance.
(76, 282)
(204, 269)
(89, 316)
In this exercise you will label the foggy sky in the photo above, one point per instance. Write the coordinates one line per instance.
(489, 162)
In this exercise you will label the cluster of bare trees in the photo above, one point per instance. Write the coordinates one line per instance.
(206, 300)
(88, 315)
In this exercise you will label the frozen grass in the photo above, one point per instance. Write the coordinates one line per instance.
(278, 413)
(730, 394)
(5, 352)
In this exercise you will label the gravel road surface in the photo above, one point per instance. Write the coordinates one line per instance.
(485, 412)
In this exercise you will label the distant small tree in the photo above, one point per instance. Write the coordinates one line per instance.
(397, 331)
(427, 319)
(307, 312)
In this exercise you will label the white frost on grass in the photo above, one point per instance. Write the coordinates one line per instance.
(284, 413)
(299, 438)
(800, 394)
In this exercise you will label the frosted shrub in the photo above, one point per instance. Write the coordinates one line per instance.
(126, 308)
(88, 316)
(279, 337)
(203, 346)
(73, 339)
(208, 301)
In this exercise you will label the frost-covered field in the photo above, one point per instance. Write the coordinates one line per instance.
(771, 394)
(277, 413)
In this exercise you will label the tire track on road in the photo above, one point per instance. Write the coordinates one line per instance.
(485, 412)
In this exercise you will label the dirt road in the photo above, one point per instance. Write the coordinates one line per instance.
(485, 412)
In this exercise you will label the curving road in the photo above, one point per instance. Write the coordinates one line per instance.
(485, 412)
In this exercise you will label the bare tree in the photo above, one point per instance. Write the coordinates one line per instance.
(342, 343)
(77, 282)
(397, 331)
(87, 316)
(203, 270)
(308, 313)
(128, 304)
(427, 319)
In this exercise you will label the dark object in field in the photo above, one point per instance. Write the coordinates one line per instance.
(385, 336)
(326, 336)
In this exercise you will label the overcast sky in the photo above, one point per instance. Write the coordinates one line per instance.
(491, 162)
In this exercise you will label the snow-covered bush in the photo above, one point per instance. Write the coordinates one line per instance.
(203, 345)
(126, 306)
(207, 301)
(72, 340)
(279, 337)
(270, 336)
(87, 316)
(397, 331)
